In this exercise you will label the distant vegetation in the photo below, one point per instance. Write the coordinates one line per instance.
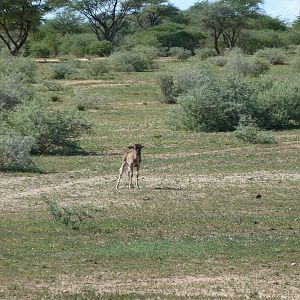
(93, 28)
(228, 79)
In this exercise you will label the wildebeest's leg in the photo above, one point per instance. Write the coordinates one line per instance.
(137, 177)
(120, 175)
(130, 176)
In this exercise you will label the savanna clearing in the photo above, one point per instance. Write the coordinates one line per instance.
(215, 218)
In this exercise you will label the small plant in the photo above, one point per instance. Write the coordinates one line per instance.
(52, 85)
(249, 132)
(14, 92)
(205, 53)
(165, 82)
(276, 56)
(100, 48)
(147, 50)
(180, 53)
(15, 153)
(219, 61)
(55, 98)
(296, 64)
(71, 216)
(240, 64)
(62, 71)
(97, 68)
(22, 67)
(81, 107)
(131, 61)
(181, 81)
(254, 295)
(90, 102)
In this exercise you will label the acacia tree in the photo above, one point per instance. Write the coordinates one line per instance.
(106, 17)
(296, 23)
(213, 18)
(17, 18)
(151, 13)
(241, 12)
(224, 19)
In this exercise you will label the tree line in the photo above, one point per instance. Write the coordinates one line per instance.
(219, 24)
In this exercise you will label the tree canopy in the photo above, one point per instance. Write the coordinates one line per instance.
(224, 19)
(106, 17)
(219, 24)
(17, 18)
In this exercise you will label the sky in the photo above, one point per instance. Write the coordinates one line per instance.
(285, 9)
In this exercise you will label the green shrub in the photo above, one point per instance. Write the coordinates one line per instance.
(219, 61)
(253, 40)
(149, 51)
(52, 85)
(169, 37)
(22, 67)
(165, 82)
(205, 53)
(254, 135)
(13, 91)
(145, 38)
(216, 104)
(180, 53)
(296, 64)
(97, 68)
(55, 98)
(78, 45)
(130, 61)
(88, 101)
(52, 130)
(62, 71)
(39, 49)
(291, 37)
(181, 81)
(15, 153)
(278, 106)
(187, 78)
(276, 56)
(249, 132)
(100, 48)
(238, 63)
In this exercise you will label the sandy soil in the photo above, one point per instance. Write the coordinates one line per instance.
(106, 83)
(90, 187)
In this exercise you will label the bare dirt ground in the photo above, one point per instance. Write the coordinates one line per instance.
(230, 286)
(262, 285)
(90, 187)
(104, 83)
(18, 193)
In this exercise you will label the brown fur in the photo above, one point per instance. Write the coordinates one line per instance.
(132, 159)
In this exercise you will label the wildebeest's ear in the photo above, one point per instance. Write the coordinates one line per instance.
(130, 147)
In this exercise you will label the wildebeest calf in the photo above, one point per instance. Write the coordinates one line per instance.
(132, 159)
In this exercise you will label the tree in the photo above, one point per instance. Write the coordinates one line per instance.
(213, 17)
(17, 18)
(225, 18)
(151, 13)
(265, 22)
(296, 23)
(65, 22)
(106, 17)
(239, 14)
